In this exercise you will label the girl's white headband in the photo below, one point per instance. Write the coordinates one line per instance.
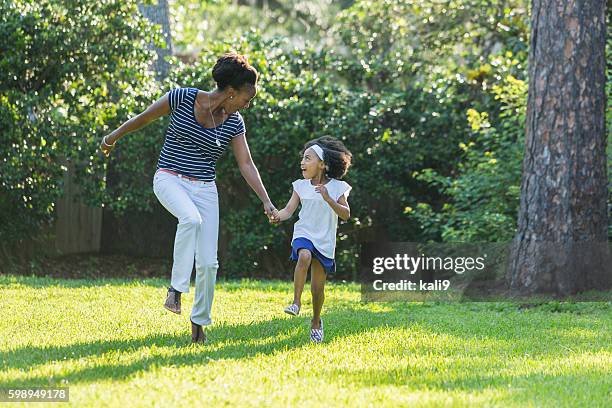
(318, 150)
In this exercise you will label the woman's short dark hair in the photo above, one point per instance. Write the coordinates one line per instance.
(233, 70)
(336, 156)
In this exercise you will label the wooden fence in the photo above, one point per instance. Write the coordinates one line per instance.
(78, 227)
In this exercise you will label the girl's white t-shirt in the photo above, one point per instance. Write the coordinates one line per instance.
(317, 220)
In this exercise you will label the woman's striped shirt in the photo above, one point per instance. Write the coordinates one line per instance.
(191, 149)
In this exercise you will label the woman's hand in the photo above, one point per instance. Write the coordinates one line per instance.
(321, 189)
(106, 147)
(271, 211)
(275, 218)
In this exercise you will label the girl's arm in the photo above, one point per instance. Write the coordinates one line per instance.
(157, 109)
(289, 209)
(341, 207)
(250, 173)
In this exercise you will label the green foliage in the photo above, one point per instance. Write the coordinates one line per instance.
(483, 196)
(392, 42)
(196, 24)
(70, 70)
(450, 52)
(429, 96)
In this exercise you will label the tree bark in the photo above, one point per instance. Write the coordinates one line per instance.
(561, 244)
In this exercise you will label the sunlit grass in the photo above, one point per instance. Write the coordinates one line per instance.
(112, 343)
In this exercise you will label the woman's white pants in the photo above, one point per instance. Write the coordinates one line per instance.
(196, 206)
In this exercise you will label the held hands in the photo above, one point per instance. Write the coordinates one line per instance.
(275, 218)
(106, 147)
(271, 212)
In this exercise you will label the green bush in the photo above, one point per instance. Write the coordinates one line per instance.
(69, 71)
(428, 95)
(483, 196)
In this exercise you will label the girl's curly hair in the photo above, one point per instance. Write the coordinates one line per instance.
(336, 156)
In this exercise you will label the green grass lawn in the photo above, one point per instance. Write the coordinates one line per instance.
(113, 344)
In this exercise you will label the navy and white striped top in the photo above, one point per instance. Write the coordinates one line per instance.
(191, 149)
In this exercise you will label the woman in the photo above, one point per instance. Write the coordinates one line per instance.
(202, 125)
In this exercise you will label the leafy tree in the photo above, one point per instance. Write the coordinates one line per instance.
(70, 70)
(483, 193)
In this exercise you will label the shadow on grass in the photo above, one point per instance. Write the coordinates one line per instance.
(276, 335)
(225, 342)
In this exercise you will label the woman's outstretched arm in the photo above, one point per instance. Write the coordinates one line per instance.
(250, 173)
(157, 109)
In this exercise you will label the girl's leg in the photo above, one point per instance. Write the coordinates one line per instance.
(299, 276)
(174, 195)
(207, 201)
(317, 288)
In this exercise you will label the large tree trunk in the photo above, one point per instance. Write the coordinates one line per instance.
(561, 243)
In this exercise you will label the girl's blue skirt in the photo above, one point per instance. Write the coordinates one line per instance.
(329, 265)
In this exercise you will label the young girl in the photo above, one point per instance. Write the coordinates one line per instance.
(323, 199)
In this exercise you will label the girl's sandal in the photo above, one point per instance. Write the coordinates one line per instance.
(292, 310)
(316, 335)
